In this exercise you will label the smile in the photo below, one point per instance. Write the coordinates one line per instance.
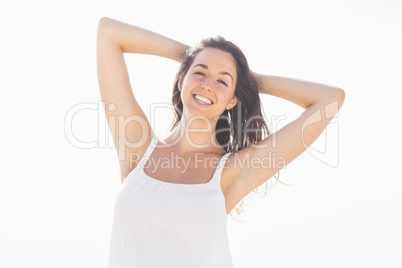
(202, 99)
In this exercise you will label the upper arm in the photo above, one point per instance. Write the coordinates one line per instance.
(128, 124)
(254, 165)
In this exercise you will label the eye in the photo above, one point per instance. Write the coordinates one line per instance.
(222, 82)
(199, 73)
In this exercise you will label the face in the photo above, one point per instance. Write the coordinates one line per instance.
(209, 85)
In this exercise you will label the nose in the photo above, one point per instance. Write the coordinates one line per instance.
(207, 83)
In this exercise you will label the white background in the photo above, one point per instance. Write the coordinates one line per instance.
(342, 204)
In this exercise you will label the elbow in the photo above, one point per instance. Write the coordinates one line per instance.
(104, 24)
(340, 96)
(101, 25)
(335, 94)
(103, 21)
(332, 95)
(106, 30)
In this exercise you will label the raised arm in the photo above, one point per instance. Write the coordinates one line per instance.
(132, 39)
(321, 104)
(128, 124)
(299, 92)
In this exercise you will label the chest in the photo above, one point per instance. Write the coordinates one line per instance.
(190, 169)
(145, 201)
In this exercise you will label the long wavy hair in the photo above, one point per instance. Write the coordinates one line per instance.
(242, 125)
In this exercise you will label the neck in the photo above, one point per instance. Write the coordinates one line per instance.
(196, 134)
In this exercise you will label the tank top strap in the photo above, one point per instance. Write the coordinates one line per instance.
(148, 152)
(216, 179)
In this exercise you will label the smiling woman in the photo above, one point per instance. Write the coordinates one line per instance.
(232, 73)
(205, 83)
(170, 216)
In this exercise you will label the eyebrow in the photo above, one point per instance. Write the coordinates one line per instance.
(206, 67)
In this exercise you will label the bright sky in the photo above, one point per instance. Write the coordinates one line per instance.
(342, 205)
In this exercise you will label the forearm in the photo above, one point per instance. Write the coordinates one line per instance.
(299, 92)
(132, 39)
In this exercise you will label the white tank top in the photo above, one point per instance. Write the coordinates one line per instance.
(159, 224)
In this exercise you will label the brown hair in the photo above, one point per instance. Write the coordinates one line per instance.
(242, 125)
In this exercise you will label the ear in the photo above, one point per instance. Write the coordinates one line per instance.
(232, 103)
(180, 83)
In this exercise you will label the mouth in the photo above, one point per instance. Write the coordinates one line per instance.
(202, 99)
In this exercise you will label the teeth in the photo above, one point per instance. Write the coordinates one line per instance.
(203, 99)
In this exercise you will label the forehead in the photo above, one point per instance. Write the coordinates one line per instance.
(216, 60)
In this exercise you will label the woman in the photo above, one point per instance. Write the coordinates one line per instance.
(176, 193)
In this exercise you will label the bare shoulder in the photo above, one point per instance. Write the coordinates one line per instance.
(246, 170)
(232, 190)
(131, 155)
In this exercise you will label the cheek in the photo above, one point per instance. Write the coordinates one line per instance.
(228, 94)
(187, 82)
(224, 99)
(186, 88)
